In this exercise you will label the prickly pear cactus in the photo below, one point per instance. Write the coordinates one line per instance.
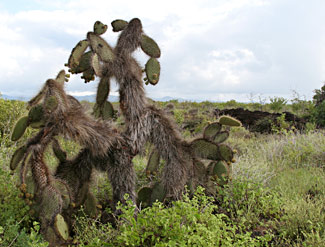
(55, 197)
(219, 155)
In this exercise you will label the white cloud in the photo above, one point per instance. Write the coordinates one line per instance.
(208, 47)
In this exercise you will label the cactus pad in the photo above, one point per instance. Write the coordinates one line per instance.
(62, 186)
(205, 149)
(61, 227)
(99, 28)
(17, 157)
(211, 131)
(95, 64)
(35, 114)
(107, 110)
(90, 205)
(152, 69)
(229, 121)
(199, 170)
(51, 103)
(119, 25)
(19, 128)
(149, 46)
(37, 125)
(158, 193)
(61, 77)
(88, 75)
(96, 111)
(76, 54)
(153, 162)
(226, 153)
(144, 196)
(220, 170)
(100, 46)
(221, 137)
(102, 90)
(84, 63)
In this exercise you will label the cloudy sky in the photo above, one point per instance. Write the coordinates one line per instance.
(211, 49)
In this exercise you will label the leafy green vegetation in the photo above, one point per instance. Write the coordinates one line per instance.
(275, 198)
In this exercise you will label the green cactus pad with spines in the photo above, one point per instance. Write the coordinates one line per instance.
(211, 131)
(158, 193)
(152, 69)
(30, 185)
(95, 64)
(90, 205)
(144, 196)
(84, 63)
(99, 28)
(119, 25)
(51, 103)
(37, 125)
(149, 46)
(19, 128)
(62, 186)
(17, 157)
(102, 90)
(220, 171)
(58, 152)
(153, 162)
(51, 203)
(76, 54)
(100, 47)
(221, 136)
(205, 149)
(61, 77)
(229, 121)
(88, 75)
(199, 170)
(107, 110)
(36, 114)
(96, 111)
(226, 153)
(61, 227)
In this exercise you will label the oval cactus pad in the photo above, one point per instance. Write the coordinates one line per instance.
(19, 128)
(76, 53)
(100, 46)
(149, 46)
(99, 28)
(119, 25)
(226, 153)
(17, 157)
(221, 137)
(230, 121)
(152, 69)
(61, 227)
(211, 131)
(205, 149)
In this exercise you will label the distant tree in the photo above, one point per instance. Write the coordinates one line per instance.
(319, 96)
(277, 103)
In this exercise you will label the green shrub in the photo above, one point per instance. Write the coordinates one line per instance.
(277, 103)
(319, 114)
(189, 222)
